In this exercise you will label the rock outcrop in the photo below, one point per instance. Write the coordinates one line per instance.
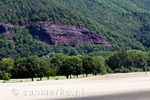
(58, 34)
(7, 29)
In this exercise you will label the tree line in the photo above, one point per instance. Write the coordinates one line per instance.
(60, 64)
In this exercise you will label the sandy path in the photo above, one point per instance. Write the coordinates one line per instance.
(92, 86)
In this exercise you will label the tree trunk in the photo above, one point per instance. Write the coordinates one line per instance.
(40, 78)
(70, 76)
(67, 76)
(48, 78)
(86, 75)
(32, 79)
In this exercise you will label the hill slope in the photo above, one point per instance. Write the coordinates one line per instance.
(124, 23)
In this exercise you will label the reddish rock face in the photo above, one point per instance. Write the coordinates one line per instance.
(8, 29)
(57, 34)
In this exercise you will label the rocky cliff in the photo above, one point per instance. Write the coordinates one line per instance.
(58, 34)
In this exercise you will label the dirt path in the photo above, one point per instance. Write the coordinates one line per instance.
(83, 87)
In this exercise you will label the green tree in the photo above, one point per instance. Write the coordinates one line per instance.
(127, 59)
(6, 66)
(42, 68)
(31, 67)
(76, 64)
(56, 61)
(139, 59)
(118, 59)
(67, 67)
(51, 72)
(99, 66)
(88, 64)
(20, 70)
(37, 67)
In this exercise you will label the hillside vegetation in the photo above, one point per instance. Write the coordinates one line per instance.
(124, 23)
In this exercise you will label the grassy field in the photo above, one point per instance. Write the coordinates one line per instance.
(44, 78)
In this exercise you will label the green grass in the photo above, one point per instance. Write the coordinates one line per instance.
(43, 79)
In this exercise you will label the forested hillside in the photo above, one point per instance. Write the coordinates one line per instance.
(124, 23)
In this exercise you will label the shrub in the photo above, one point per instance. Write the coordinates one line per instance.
(135, 69)
(122, 70)
(6, 76)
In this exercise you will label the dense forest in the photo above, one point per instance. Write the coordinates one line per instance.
(124, 23)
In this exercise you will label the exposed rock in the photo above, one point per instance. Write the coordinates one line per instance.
(58, 34)
(8, 29)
